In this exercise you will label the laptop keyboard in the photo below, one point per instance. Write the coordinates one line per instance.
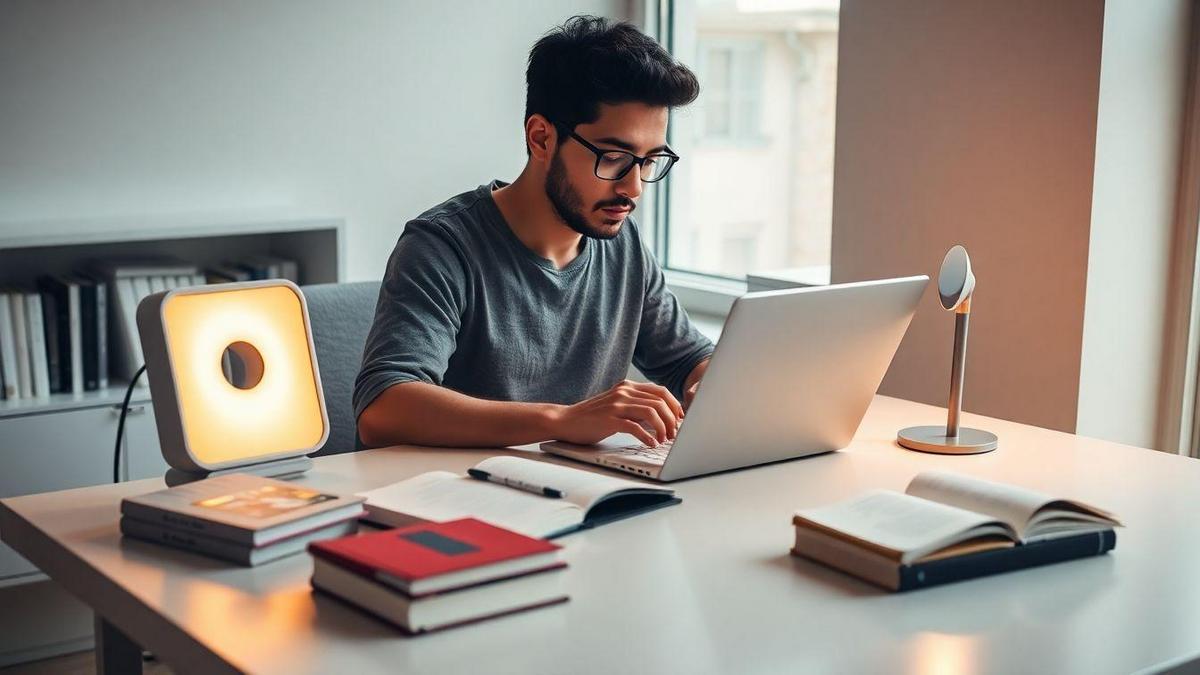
(645, 452)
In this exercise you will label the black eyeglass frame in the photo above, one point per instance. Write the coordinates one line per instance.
(639, 161)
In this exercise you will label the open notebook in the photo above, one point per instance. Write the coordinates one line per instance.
(589, 499)
(947, 526)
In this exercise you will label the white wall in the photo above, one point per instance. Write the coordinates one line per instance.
(1143, 73)
(373, 110)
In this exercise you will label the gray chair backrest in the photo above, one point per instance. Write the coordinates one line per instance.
(341, 316)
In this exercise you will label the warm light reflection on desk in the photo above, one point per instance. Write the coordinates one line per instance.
(943, 654)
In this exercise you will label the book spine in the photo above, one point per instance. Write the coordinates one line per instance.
(24, 373)
(186, 540)
(186, 523)
(50, 328)
(35, 324)
(125, 327)
(101, 334)
(948, 570)
(344, 562)
(90, 344)
(8, 347)
(75, 327)
(141, 290)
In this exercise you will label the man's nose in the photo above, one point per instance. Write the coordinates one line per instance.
(630, 185)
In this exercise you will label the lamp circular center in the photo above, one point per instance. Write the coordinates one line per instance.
(242, 365)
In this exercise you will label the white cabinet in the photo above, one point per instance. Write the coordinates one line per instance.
(64, 449)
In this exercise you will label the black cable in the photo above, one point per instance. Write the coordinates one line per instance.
(121, 424)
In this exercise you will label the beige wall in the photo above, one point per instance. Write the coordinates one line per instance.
(974, 123)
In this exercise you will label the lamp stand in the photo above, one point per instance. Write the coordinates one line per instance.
(950, 439)
(288, 467)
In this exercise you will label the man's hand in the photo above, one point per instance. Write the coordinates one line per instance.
(644, 410)
(690, 395)
(692, 384)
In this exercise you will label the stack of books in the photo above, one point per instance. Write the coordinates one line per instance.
(949, 527)
(241, 518)
(437, 575)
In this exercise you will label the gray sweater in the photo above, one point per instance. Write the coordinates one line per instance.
(466, 305)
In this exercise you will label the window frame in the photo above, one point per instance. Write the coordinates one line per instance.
(699, 292)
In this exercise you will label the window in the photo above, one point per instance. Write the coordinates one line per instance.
(731, 71)
(754, 191)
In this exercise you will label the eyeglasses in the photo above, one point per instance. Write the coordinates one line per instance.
(614, 164)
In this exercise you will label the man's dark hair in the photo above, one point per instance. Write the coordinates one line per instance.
(589, 60)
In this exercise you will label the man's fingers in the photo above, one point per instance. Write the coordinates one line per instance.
(666, 412)
(661, 392)
(645, 414)
(639, 432)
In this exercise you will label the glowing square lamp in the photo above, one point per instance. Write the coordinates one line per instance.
(233, 379)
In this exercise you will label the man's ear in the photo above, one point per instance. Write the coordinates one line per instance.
(541, 137)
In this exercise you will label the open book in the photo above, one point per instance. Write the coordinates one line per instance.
(947, 527)
(507, 499)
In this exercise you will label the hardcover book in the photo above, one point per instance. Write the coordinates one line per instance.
(437, 557)
(241, 508)
(947, 527)
(433, 576)
(227, 550)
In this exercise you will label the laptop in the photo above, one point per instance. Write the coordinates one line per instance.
(792, 376)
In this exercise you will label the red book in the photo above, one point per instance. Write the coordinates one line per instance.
(439, 557)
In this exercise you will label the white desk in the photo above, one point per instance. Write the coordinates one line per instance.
(706, 586)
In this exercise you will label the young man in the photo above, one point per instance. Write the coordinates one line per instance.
(510, 314)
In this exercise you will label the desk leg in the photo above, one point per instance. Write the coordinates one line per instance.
(116, 654)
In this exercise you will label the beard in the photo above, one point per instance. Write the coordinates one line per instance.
(569, 205)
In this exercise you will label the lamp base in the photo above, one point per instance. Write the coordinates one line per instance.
(934, 439)
(280, 468)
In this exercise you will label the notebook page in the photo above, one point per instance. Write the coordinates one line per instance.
(582, 488)
(1010, 503)
(440, 496)
(903, 526)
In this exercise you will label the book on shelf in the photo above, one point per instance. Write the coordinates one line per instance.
(8, 348)
(24, 368)
(948, 527)
(438, 575)
(588, 499)
(234, 552)
(73, 378)
(264, 266)
(91, 324)
(50, 323)
(224, 274)
(36, 340)
(142, 266)
(242, 509)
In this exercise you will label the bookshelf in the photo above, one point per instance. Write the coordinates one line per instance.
(31, 249)
(66, 441)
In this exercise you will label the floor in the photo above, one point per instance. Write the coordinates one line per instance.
(80, 663)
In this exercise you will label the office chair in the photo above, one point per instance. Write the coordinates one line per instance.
(341, 316)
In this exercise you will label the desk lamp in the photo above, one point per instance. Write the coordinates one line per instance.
(233, 379)
(956, 283)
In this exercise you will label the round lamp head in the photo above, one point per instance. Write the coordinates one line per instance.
(956, 281)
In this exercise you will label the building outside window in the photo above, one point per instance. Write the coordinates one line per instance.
(754, 192)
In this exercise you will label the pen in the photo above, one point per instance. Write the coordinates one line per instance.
(518, 484)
